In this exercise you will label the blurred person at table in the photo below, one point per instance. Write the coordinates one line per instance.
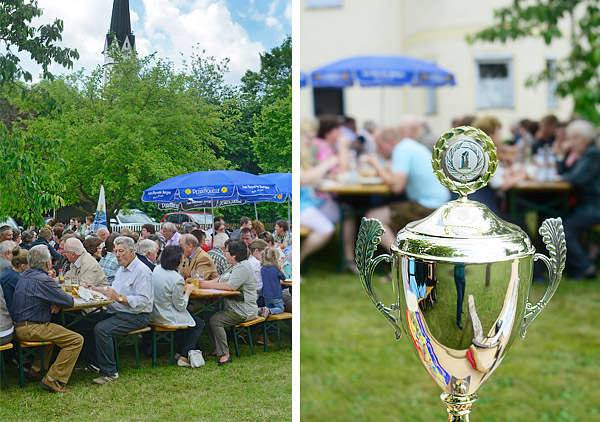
(282, 234)
(319, 212)
(6, 233)
(6, 248)
(245, 223)
(159, 239)
(257, 228)
(172, 236)
(236, 309)
(217, 255)
(246, 235)
(218, 228)
(37, 297)
(10, 279)
(93, 246)
(196, 259)
(79, 226)
(211, 231)
(562, 148)
(27, 238)
(171, 296)
(133, 298)
(257, 248)
(147, 230)
(584, 175)
(84, 267)
(545, 134)
(89, 220)
(57, 232)
(108, 262)
(411, 173)
(147, 252)
(44, 239)
(329, 143)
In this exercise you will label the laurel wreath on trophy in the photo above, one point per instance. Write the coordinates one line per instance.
(444, 143)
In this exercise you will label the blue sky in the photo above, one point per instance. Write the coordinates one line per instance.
(237, 29)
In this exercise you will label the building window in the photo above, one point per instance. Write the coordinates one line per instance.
(551, 67)
(322, 4)
(494, 82)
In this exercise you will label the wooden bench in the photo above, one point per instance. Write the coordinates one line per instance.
(273, 321)
(127, 340)
(245, 327)
(35, 349)
(4, 347)
(164, 332)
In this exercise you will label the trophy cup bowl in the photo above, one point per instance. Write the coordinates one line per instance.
(462, 275)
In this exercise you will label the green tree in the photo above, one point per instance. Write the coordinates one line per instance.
(143, 126)
(16, 31)
(28, 184)
(577, 75)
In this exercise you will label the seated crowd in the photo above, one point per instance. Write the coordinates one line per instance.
(149, 277)
(547, 150)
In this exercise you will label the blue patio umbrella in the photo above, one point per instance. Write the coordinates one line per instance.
(380, 71)
(214, 186)
(303, 79)
(284, 185)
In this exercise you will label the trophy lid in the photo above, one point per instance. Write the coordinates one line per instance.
(464, 159)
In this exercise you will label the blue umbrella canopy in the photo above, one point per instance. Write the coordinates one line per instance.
(283, 182)
(380, 71)
(212, 185)
(303, 79)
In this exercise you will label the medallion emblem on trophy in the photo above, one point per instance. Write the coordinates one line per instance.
(462, 275)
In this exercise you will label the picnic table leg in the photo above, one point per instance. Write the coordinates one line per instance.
(153, 347)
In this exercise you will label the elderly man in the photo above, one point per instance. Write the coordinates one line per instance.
(584, 175)
(36, 297)
(410, 173)
(134, 296)
(6, 233)
(147, 252)
(84, 267)
(197, 259)
(44, 239)
(172, 236)
(245, 222)
(6, 248)
(102, 233)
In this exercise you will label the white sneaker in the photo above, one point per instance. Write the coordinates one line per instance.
(181, 362)
(105, 380)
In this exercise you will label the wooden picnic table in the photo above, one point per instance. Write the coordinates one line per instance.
(202, 298)
(76, 311)
(547, 197)
(355, 189)
(287, 282)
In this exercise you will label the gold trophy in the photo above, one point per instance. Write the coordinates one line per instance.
(462, 275)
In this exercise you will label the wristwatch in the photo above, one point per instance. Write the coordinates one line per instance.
(120, 299)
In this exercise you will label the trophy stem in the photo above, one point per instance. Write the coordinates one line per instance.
(459, 406)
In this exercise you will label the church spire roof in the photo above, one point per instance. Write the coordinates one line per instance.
(120, 24)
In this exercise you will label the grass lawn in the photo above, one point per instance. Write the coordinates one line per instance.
(251, 388)
(353, 369)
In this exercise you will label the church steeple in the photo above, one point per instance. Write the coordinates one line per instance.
(120, 25)
(119, 32)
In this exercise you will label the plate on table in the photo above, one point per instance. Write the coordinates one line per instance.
(370, 180)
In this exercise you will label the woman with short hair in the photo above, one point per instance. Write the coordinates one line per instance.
(171, 297)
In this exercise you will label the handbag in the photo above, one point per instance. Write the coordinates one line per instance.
(195, 358)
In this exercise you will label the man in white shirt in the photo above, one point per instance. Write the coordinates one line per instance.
(133, 297)
(169, 231)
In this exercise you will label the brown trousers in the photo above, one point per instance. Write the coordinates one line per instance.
(69, 342)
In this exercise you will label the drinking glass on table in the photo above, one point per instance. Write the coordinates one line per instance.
(197, 275)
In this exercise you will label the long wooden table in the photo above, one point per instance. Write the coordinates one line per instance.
(554, 200)
(80, 305)
(202, 297)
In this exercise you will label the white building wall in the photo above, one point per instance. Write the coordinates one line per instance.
(427, 29)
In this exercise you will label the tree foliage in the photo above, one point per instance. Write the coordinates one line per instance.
(28, 182)
(577, 75)
(16, 31)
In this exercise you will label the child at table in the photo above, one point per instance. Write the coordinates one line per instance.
(271, 278)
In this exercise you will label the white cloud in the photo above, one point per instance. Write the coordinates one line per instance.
(168, 27)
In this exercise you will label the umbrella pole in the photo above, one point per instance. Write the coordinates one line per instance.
(288, 201)
(255, 211)
(382, 107)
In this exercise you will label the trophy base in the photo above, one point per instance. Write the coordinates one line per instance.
(459, 406)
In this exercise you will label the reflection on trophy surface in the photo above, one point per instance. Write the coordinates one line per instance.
(462, 275)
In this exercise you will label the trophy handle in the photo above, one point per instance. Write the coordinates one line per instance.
(369, 237)
(554, 237)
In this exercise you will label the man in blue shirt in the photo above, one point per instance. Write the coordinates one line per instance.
(134, 296)
(37, 296)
